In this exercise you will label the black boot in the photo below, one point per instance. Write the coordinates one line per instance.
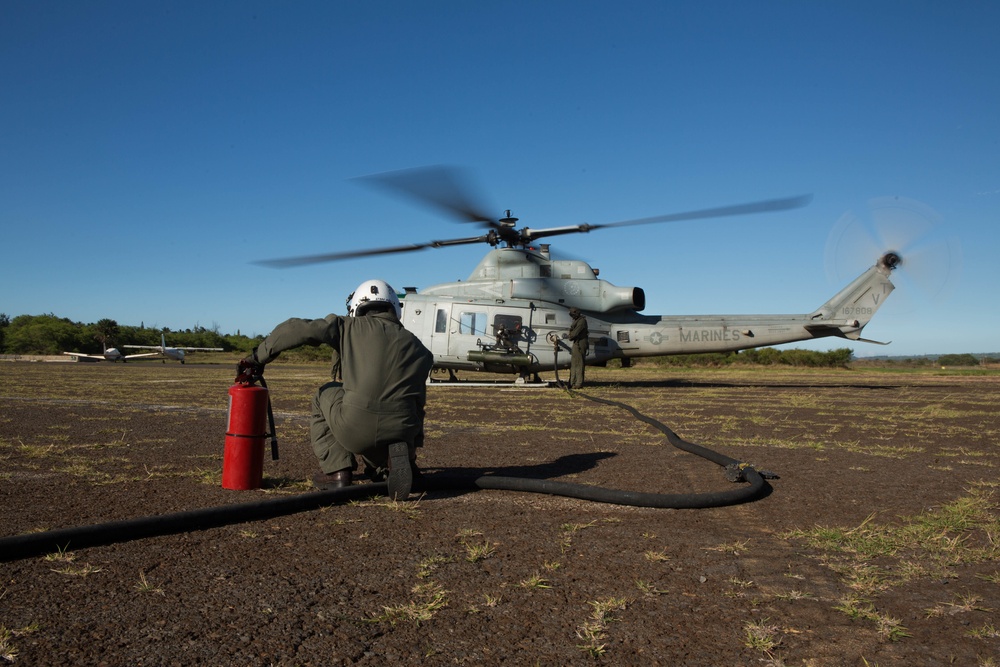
(400, 473)
(328, 481)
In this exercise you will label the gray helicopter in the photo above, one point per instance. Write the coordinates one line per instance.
(512, 314)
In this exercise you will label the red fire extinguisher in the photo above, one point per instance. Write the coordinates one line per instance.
(249, 416)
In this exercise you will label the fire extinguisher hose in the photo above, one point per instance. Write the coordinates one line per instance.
(270, 420)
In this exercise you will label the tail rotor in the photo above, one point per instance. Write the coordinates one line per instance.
(929, 256)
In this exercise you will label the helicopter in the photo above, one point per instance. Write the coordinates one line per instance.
(512, 314)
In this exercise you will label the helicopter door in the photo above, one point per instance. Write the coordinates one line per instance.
(457, 330)
(442, 329)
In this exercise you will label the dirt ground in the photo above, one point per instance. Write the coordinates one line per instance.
(878, 544)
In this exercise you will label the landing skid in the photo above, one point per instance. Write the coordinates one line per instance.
(544, 384)
(520, 382)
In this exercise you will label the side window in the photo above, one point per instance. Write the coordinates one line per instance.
(441, 322)
(472, 323)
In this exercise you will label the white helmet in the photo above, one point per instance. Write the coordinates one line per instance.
(369, 293)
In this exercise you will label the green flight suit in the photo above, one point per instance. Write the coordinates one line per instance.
(579, 334)
(381, 399)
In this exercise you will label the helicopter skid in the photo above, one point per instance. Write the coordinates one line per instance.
(518, 383)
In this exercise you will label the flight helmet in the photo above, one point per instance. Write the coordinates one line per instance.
(368, 294)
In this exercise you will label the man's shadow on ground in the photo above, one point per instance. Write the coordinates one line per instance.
(454, 481)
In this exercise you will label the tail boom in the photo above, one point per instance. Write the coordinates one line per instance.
(844, 316)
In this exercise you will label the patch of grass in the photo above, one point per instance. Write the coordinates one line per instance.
(409, 508)
(35, 451)
(210, 476)
(594, 630)
(8, 651)
(891, 629)
(144, 586)
(427, 566)
(468, 533)
(475, 551)
(992, 578)
(761, 636)
(61, 555)
(81, 570)
(648, 589)
(988, 631)
(875, 557)
(855, 607)
(577, 527)
(570, 529)
(286, 485)
(430, 598)
(736, 548)
(660, 556)
(536, 581)
(858, 608)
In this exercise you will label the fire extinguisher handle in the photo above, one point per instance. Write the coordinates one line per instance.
(249, 371)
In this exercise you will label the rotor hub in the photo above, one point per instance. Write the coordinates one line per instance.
(891, 260)
(507, 220)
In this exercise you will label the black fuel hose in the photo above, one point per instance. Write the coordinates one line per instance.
(35, 544)
(81, 537)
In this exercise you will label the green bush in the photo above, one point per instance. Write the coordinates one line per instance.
(42, 334)
(766, 356)
(958, 360)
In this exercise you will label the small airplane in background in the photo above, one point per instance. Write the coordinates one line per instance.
(111, 354)
(175, 353)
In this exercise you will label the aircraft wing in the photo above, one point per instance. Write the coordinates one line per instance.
(169, 347)
(85, 356)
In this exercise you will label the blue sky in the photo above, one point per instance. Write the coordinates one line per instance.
(151, 151)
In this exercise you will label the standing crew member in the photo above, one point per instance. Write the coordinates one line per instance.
(579, 335)
(377, 412)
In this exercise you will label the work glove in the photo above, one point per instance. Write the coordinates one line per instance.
(249, 370)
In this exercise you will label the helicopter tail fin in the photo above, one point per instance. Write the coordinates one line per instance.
(847, 313)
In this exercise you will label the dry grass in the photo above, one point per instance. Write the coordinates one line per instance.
(864, 560)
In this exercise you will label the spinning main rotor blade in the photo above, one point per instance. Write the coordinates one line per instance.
(440, 186)
(445, 189)
(289, 262)
(719, 212)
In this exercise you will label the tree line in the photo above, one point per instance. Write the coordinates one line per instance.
(763, 356)
(49, 334)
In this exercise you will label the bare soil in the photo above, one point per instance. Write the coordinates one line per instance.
(818, 572)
